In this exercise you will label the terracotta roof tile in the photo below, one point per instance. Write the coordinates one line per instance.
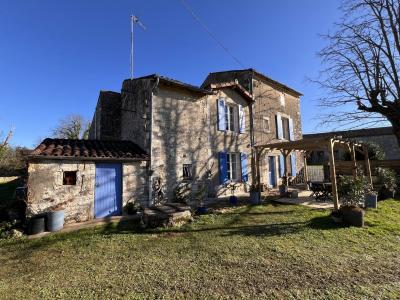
(89, 149)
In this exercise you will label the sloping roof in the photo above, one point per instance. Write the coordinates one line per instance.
(235, 85)
(214, 77)
(88, 150)
(176, 83)
(352, 133)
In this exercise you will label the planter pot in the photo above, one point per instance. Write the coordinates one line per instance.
(233, 200)
(283, 191)
(55, 220)
(371, 201)
(353, 216)
(36, 224)
(294, 194)
(201, 210)
(255, 197)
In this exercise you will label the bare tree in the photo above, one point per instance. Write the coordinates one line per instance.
(72, 127)
(361, 65)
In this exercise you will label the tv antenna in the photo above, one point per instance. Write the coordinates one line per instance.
(134, 20)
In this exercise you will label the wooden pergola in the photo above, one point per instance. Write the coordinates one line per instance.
(313, 144)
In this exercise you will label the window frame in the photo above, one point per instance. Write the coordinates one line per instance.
(285, 133)
(233, 166)
(67, 177)
(265, 119)
(189, 169)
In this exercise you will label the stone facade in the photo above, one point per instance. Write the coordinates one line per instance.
(46, 190)
(177, 124)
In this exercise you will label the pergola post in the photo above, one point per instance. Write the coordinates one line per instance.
(305, 170)
(367, 164)
(285, 156)
(353, 157)
(332, 170)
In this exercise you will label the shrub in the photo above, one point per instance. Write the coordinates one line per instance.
(352, 191)
(387, 178)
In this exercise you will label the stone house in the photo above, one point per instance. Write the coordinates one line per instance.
(192, 133)
(195, 142)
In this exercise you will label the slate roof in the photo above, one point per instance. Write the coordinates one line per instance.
(378, 131)
(88, 150)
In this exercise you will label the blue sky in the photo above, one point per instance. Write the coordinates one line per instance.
(55, 56)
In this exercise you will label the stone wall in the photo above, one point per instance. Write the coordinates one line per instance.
(106, 122)
(267, 105)
(136, 98)
(46, 189)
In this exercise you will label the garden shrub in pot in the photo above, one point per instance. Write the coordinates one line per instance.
(387, 179)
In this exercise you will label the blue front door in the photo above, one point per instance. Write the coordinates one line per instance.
(107, 197)
(271, 171)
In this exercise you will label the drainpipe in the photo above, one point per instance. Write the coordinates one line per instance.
(150, 203)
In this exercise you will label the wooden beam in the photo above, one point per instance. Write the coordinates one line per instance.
(333, 175)
(353, 157)
(305, 171)
(367, 164)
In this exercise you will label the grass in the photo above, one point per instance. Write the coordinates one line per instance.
(268, 251)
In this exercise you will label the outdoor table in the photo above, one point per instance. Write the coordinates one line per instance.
(321, 190)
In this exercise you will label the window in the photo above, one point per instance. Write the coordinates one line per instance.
(265, 124)
(69, 178)
(230, 118)
(285, 128)
(187, 171)
(282, 99)
(233, 166)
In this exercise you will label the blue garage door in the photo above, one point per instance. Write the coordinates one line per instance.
(107, 199)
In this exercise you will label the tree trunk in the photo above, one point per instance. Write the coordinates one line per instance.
(396, 129)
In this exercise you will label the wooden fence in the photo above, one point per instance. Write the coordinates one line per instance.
(346, 167)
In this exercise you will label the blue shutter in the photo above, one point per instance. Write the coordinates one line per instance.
(279, 130)
(223, 174)
(293, 163)
(281, 165)
(221, 115)
(243, 160)
(291, 135)
(242, 119)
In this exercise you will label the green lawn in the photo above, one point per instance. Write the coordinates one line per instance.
(270, 251)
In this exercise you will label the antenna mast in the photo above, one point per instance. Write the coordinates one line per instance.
(134, 20)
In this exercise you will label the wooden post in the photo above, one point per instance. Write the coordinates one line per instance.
(367, 164)
(332, 168)
(285, 156)
(353, 157)
(305, 171)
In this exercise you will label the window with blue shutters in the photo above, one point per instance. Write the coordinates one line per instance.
(222, 110)
(243, 160)
(281, 165)
(230, 167)
(223, 171)
(293, 164)
(279, 131)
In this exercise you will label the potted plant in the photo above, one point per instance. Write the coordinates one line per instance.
(255, 194)
(200, 196)
(232, 199)
(371, 197)
(352, 193)
(132, 208)
(387, 179)
(283, 189)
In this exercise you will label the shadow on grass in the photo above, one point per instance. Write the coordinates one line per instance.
(232, 227)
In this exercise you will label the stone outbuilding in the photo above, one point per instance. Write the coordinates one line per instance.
(87, 178)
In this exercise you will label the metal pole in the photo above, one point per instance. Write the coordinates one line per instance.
(132, 21)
